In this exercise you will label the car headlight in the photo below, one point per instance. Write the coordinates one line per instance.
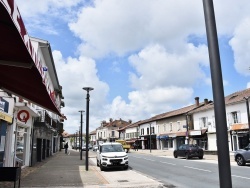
(104, 159)
(126, 158)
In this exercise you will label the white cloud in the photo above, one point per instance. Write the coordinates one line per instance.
(74, 74)
(147, 103)
(125, 26)
(32, 8)
(241, 46)
(156, 67)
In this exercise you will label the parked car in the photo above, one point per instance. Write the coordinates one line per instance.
(19, 148)
(95, 147)
(84, 147)
(189, 151)
(76, 146)
(111, 155)
(242, 156)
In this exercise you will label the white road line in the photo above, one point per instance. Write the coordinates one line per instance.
(137, 157)
(148, 159)
(197, 169)
(241, 177)
(167, 163)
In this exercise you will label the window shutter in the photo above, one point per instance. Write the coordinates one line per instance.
(200, 123)
(239, 116)
(229, 118)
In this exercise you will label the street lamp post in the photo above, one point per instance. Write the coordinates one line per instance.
(81, 111)
(218, 95)
(76, 138)
(150, 136)
(248, 116)
(187, 138)
(80, 149)
(87, 126)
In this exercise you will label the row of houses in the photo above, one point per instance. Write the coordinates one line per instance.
(194, 124)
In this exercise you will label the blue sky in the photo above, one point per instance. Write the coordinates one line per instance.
(141, 57)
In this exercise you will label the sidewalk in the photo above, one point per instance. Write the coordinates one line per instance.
(61, 170)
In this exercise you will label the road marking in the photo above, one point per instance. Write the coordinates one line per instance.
(197, 169)
(137, 157)
(241, 177)
(148, 159)
(167, 163)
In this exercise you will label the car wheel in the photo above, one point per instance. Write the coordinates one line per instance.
(187, 156)
(97, 163)
(101, 167)
(240, 160)
(125, 168)
(200, 157)
(175, 155)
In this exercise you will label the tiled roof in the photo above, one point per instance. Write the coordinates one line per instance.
(92, 132)
(180, 111)
(230, 99)
(130, 126)
(116, 123)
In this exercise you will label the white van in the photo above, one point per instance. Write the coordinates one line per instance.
(111, 155)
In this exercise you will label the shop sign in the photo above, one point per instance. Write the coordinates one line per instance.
(195, 133)
(5, 117)
(23, 116)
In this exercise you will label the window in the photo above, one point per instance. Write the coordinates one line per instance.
(147, 131)
(203, 122)
(235, 117)
(113, 133)
(142, 131)
(127, 136)
(179, 125)
(170, 143)
(152, 130)
(164, 128)
(170, 126)
(104, 134)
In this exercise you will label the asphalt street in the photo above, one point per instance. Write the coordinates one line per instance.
(61, 170)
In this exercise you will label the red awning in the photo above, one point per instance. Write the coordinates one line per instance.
(20, 68)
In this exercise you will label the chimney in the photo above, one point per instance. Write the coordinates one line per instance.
(205, 101)
(197, 101)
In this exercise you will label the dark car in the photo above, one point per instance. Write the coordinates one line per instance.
(242, 156)
(189, 151)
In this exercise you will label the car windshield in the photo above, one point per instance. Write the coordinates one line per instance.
(112, 148)
(194, 146)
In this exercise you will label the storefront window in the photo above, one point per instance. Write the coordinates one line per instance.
(20, 145)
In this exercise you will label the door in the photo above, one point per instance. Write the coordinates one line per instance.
(39, 150)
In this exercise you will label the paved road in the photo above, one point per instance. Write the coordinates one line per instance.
(184, 173)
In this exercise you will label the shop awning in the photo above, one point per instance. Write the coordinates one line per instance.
(162, 137)
(21, 71)
(239, 126)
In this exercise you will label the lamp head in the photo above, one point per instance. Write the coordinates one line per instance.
(88, 88)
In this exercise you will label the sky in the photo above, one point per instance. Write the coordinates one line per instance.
(142, 57)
